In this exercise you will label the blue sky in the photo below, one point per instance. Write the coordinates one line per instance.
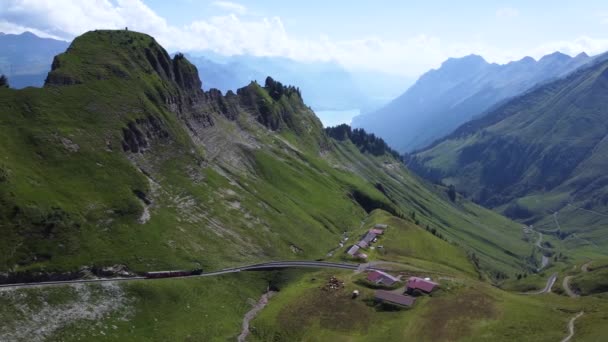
(405, 37)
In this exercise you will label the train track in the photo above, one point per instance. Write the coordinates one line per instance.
(252, 267)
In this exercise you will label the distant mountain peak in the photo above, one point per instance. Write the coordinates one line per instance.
(582, 55)
(527, 59)
(471, 59)
(555, 57)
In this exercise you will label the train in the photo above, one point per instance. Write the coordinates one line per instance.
(174, 273)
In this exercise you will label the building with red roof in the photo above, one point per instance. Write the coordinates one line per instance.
(416, 283)
(377, 231)
(379, 277)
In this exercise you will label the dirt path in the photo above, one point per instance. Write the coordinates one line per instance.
(547, 288)
(540, 239)
(566, 286)
(571, 327)
(585, 266)
(252, 313)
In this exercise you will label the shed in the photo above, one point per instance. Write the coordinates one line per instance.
(369, 237)
(381, 226)
(353, 250)
(416, 283)
(394, 298)
(377, 231)
(380, 277)
(361, 255)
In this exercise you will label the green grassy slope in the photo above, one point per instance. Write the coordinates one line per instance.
(540, 153)
(122, 159)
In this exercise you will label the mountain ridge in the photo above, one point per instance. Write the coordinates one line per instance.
(551, 139)
(461, 89)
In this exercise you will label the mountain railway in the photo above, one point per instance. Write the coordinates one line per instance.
(196, 273)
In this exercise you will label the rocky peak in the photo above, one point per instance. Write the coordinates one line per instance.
(120, 54)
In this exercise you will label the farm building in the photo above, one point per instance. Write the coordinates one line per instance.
(353, 250)
(381, 226)
(362, 244)
(383, 278)
(369, 237)
(361, 255)
(394, 298)
(416, 283)
(377, 231)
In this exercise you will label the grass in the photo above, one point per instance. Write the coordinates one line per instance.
(463, 310)
(225, 194)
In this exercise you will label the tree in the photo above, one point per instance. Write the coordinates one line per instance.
(452, 192)
(3, 81)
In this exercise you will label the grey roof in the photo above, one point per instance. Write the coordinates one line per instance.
(395, 298)
(369, 237)
(353, 250)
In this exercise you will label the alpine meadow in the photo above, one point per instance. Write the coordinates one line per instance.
(223, 171)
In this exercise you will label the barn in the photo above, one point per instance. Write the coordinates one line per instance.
(394, 298)
(424, 285)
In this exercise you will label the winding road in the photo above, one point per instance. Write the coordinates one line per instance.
(566, 286)
(253, 267)
(571, 327)
(548, 286)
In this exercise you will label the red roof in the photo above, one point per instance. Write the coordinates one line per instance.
(421, 284)
(382, 277)
(374, 276)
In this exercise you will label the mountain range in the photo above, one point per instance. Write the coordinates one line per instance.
(26, 58)
(460, 90)
(324, 85)
(540, 157)
(122, 164)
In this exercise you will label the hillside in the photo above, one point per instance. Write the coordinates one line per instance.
(121, 151)
(26, 58)
(460, 90)
(539, 158)
(121, 163)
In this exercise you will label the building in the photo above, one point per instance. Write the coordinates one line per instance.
(353, 250)
(362, 244)
(379, 277)
(381, 226)
(361, 255)
(377, 231)
(394, 298)
(424, 285)
(369, 237)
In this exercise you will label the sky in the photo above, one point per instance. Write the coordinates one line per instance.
(400, 37)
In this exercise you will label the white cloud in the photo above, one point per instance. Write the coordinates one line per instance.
(261, 36)
(230, 6)
(507, 12)
(587, 44)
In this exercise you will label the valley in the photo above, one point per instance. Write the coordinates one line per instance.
(138, 204)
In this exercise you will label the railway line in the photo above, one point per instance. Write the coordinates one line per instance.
(253, 267)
